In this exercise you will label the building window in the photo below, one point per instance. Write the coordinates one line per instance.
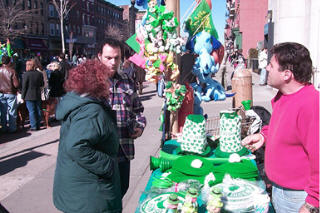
(23, 5)
(83, 19)
(30, 28)
(35, 7)
(42, 28)
(29, 4)
(79, 31)
(51, 10)
(41, 7)
(57, 29)
(52, 29)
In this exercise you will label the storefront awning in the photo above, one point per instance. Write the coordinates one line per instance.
(36, 44)
(18, 44)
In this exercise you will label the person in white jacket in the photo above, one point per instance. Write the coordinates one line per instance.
(263, 62)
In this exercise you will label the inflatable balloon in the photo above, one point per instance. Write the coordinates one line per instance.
(208, 1)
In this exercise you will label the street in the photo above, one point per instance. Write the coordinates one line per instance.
(27, 160)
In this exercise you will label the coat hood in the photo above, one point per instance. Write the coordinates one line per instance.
(70, 102)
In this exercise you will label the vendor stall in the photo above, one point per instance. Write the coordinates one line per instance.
(223, 176)
(202, 166)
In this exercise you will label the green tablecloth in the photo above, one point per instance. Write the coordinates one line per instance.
(171, 148)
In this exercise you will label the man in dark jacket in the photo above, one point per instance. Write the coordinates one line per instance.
(32, 81)
(65, 66)
(8, 95)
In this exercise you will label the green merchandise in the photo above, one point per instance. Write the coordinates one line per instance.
(230, 135)
(193, 137)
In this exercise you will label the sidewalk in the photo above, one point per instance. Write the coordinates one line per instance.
(27, 161)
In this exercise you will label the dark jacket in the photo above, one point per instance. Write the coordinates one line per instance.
(65, 67)
(32, 81)
(87, 177)
(9, 80)
(56, 81)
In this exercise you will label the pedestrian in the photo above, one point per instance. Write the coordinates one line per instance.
(8, 96)
(44, 89)
(292, 136)
(56, 81)
(126, 102)
(32, 81)
(135, 73)
(263, 62)
(87, 176)
(64, 65)
(74, 60)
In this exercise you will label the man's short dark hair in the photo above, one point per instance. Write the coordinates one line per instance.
(62, 55)
(5, 60)
(111, 42)
(294, 57)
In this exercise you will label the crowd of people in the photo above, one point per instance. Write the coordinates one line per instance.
(32, 94)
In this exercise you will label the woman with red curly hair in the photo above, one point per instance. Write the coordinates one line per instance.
(87, 175)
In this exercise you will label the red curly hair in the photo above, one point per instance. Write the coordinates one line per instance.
(91, 77)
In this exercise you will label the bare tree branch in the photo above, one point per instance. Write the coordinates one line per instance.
(63, 8)
(12, 18)
(115, 32)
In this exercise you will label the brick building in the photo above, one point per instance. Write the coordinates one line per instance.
(87, 21)
(31, 23)
(245, 24)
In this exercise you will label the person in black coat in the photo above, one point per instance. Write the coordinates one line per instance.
(56, 81)
(32, 81)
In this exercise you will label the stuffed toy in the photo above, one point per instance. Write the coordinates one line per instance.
(158, 41)
(214, 203)
(190, 204)
(204, 67)
(174, 95)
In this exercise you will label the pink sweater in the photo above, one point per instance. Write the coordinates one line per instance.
(292, 142)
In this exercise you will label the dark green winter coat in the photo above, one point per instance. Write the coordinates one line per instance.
(87, 176)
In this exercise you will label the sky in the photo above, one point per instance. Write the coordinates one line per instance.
(218, 12)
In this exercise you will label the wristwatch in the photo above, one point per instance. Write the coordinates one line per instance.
(311, 208)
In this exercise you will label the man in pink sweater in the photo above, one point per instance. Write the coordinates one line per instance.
(292, 136)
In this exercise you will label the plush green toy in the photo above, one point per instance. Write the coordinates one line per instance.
(174, 94)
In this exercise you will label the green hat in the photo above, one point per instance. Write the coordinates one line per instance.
(230, 135)
(246, 104)
(216, 191)
(193, 192)
(193, 138)
(183, 165)
(173, 199)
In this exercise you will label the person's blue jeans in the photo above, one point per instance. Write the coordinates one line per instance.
(287, 200)
(263, 76)
(34, 108)
(8, 107)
